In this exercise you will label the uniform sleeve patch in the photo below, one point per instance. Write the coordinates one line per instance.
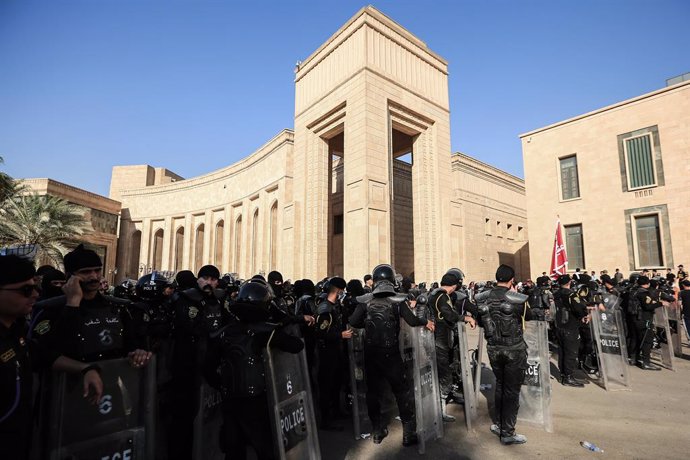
(42, 327)
(9, 354)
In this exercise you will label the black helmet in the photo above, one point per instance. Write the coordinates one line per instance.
(457, 273)
(252, 301)
(383, 272)
(336, 282)
(151, 285)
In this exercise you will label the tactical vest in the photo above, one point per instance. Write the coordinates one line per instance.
(500, 318)
(205, 312)
(101, 331)
(242, 365)
(160, 320)
(381, 324)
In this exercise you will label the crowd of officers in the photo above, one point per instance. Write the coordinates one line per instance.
(214, 329)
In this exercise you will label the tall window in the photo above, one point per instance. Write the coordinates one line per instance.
(639, 162)
(218, 244)
(199, 248)
(238, 244)
(273, 250)
(179, 246)
(570, 187)
(574, 246)
(648, 238)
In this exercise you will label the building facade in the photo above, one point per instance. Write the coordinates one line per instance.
(365, 177)
(618, 179)
(100, 212)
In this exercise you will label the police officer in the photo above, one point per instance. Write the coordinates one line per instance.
(86, 325)
(501, 312)
(379, 313)
(235, 366)
(305, 306)
(198, 313)
(644, 303)
(570, 311)
(331, 331)
(20, 356)
(445, 318)
(283, 306)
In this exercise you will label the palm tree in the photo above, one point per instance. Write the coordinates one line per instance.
(8, 187)
(50, 223)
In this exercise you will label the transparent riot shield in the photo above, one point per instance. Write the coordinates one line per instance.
(664, 351)
(418, 347)
(121, 425)
(207, 424)
(609, 338)
(675, 323)
(468, 388)
(291, 405)
(358, 385)
(535, 394)
(478, 363)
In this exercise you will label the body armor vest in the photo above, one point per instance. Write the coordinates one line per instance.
(160, 319)
(381, 324)
(242, 365)
(305, 306)
(101, 331)
(500, 318)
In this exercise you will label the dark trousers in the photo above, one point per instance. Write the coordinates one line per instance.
(568, 347)
(381, 366)
(509, 365)
(633, 340)
(687, 326)
(246, 422)
(586, 345)
(445, 374)
(645, 337)
(184, 406)
(330, 379)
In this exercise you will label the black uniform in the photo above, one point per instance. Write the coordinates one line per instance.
(645, 304)
(197, 315)
(19, 358)
(445, 316)
(380, 317)
(330, 324)
(101, 328)
(500, 314)
(234, 365)
(569, 313)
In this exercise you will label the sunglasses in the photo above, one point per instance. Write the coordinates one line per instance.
(27, 290)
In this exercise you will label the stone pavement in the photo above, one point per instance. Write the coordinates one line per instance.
(649, 421)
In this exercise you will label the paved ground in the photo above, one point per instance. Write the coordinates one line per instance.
(648, 422)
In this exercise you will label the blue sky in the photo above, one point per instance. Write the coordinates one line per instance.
(197, 85)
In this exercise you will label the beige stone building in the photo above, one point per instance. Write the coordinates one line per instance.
(365, 177)
(618, 177)
(100, 212)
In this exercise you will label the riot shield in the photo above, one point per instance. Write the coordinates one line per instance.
(291, 405)
(358, 385)
(468, 389)
(418, 347)
(664, 351)
(609, 338)
(207, 424)
(121, 425)
(675, 323)
(535, 393)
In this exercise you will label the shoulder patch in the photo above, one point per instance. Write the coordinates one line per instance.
(42, 327)
(325, 324)
(9, 354)
(648, 299)
(193, 311)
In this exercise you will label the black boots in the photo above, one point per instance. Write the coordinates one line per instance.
(569, 380)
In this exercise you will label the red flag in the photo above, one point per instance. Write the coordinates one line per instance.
(559, 258)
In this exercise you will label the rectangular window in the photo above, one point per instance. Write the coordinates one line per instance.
(570, 187)
(487, 226)
(338, 224)
(574, 246)
(639, 162)
(648, 237)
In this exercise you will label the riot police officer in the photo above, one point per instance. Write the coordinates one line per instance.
(331, 331)
(198, 313)
(379, 314)
(445, 316)
(85, 325)
(501, 312)
(643, 304)
(234, 365)
(20, 356)
(570, 311)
